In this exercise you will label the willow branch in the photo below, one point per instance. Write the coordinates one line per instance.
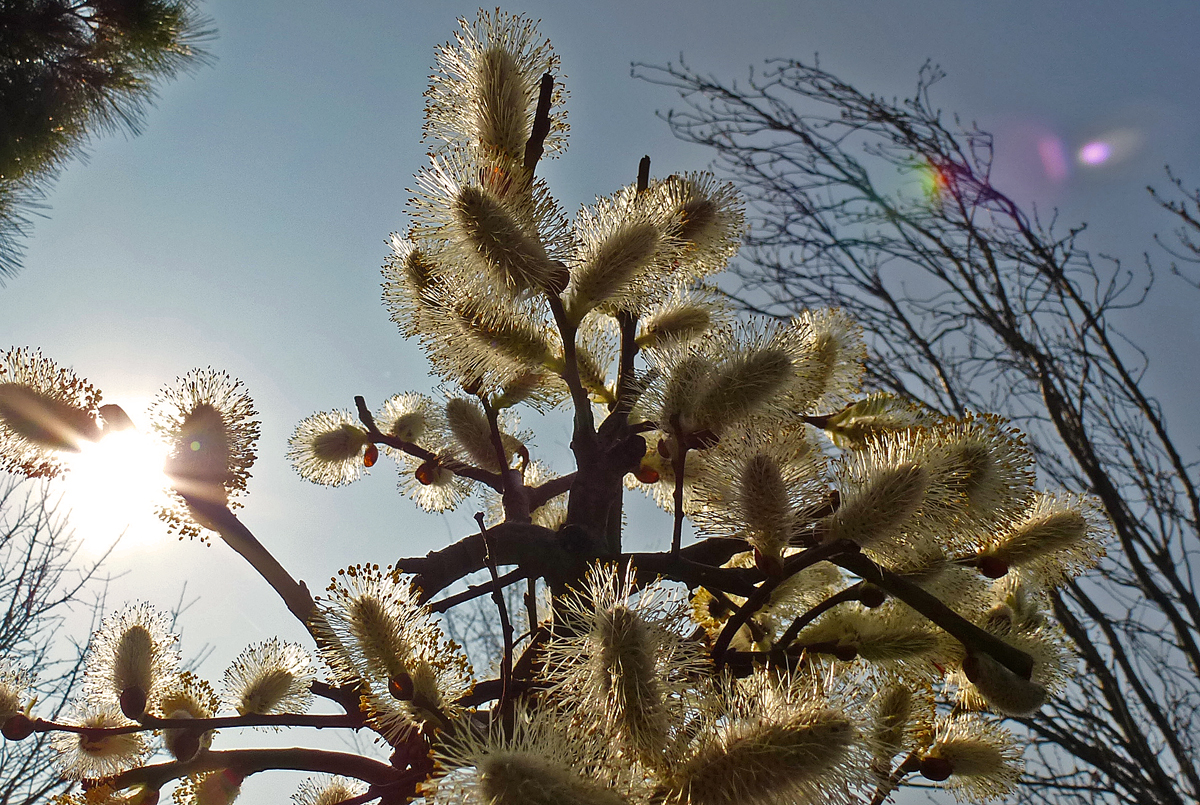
(583, 440)
(679, 452)
(762, 593)
(932, 608)
(506, 628)
(219, 518)
(540, 495)
(908, 766)
(459, 468)
(149, 722)
(535, 146)
(252, 761)
(536, 550)
(477, 591)
(849, 594)
(736, 580)
(348, 698)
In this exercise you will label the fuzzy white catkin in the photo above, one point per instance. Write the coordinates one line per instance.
(516, 257)
(472, 432)
(762, 499)
(892, 714)
(520, 778)
(1005, 692)
(884, 503)
(1058, 531)
(613, 263)
(742, 386)
(42, 420)
(769, 762)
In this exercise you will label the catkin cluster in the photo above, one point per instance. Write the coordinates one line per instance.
(862, 597)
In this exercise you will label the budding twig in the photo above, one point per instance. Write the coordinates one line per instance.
(456, 466)
(148, 722)
(251, 761)
(679, 466)
(762, 593)
(908, 766)
(476, 590)
(849, 594)
(929, 605)
(219, 518)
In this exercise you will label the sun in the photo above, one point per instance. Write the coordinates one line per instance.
(112, 488)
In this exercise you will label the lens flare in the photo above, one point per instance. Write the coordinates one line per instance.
(1111, 147)
(934, 181)
(1097, 152)
(1054, 158)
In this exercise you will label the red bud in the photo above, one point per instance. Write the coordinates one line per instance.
(936, 769)
(18, 727)
(133, 702)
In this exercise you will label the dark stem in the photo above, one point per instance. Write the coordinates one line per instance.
(849, 594)
(791, 567)
(534, 148)
(911, 763)
(678, 465)
(459, 468)
(219, 518)
(540, 495)
(967, 633)
(476, 590)
(506, 628)
(251, 761)
(531, 605)
(149, 722)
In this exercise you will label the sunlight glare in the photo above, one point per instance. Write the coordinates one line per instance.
(114, 486)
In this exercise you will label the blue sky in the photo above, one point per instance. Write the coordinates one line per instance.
(245, 229)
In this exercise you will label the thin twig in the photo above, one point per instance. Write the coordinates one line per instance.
(531, 605)
(679, 466)
(762, 593)
(456, 466)
(149, 722)
(910, 764)
(251, 761)
(932, 608)
(476, 590)
(219, 518)
(849, 594)
(506, 628)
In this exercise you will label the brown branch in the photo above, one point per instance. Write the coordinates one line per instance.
(506, 627)
(583, 437)
(219, 518)
(476, 591)
(456, 466)
(908, 766)
(540, 495)
(735, 580)
(792, 566)
(347, 697)
(149, 722)
(536, 550)
(251, 761)
(534, 148)
(515, 495)
(929, 605)
(679, 451)
(851, 593)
